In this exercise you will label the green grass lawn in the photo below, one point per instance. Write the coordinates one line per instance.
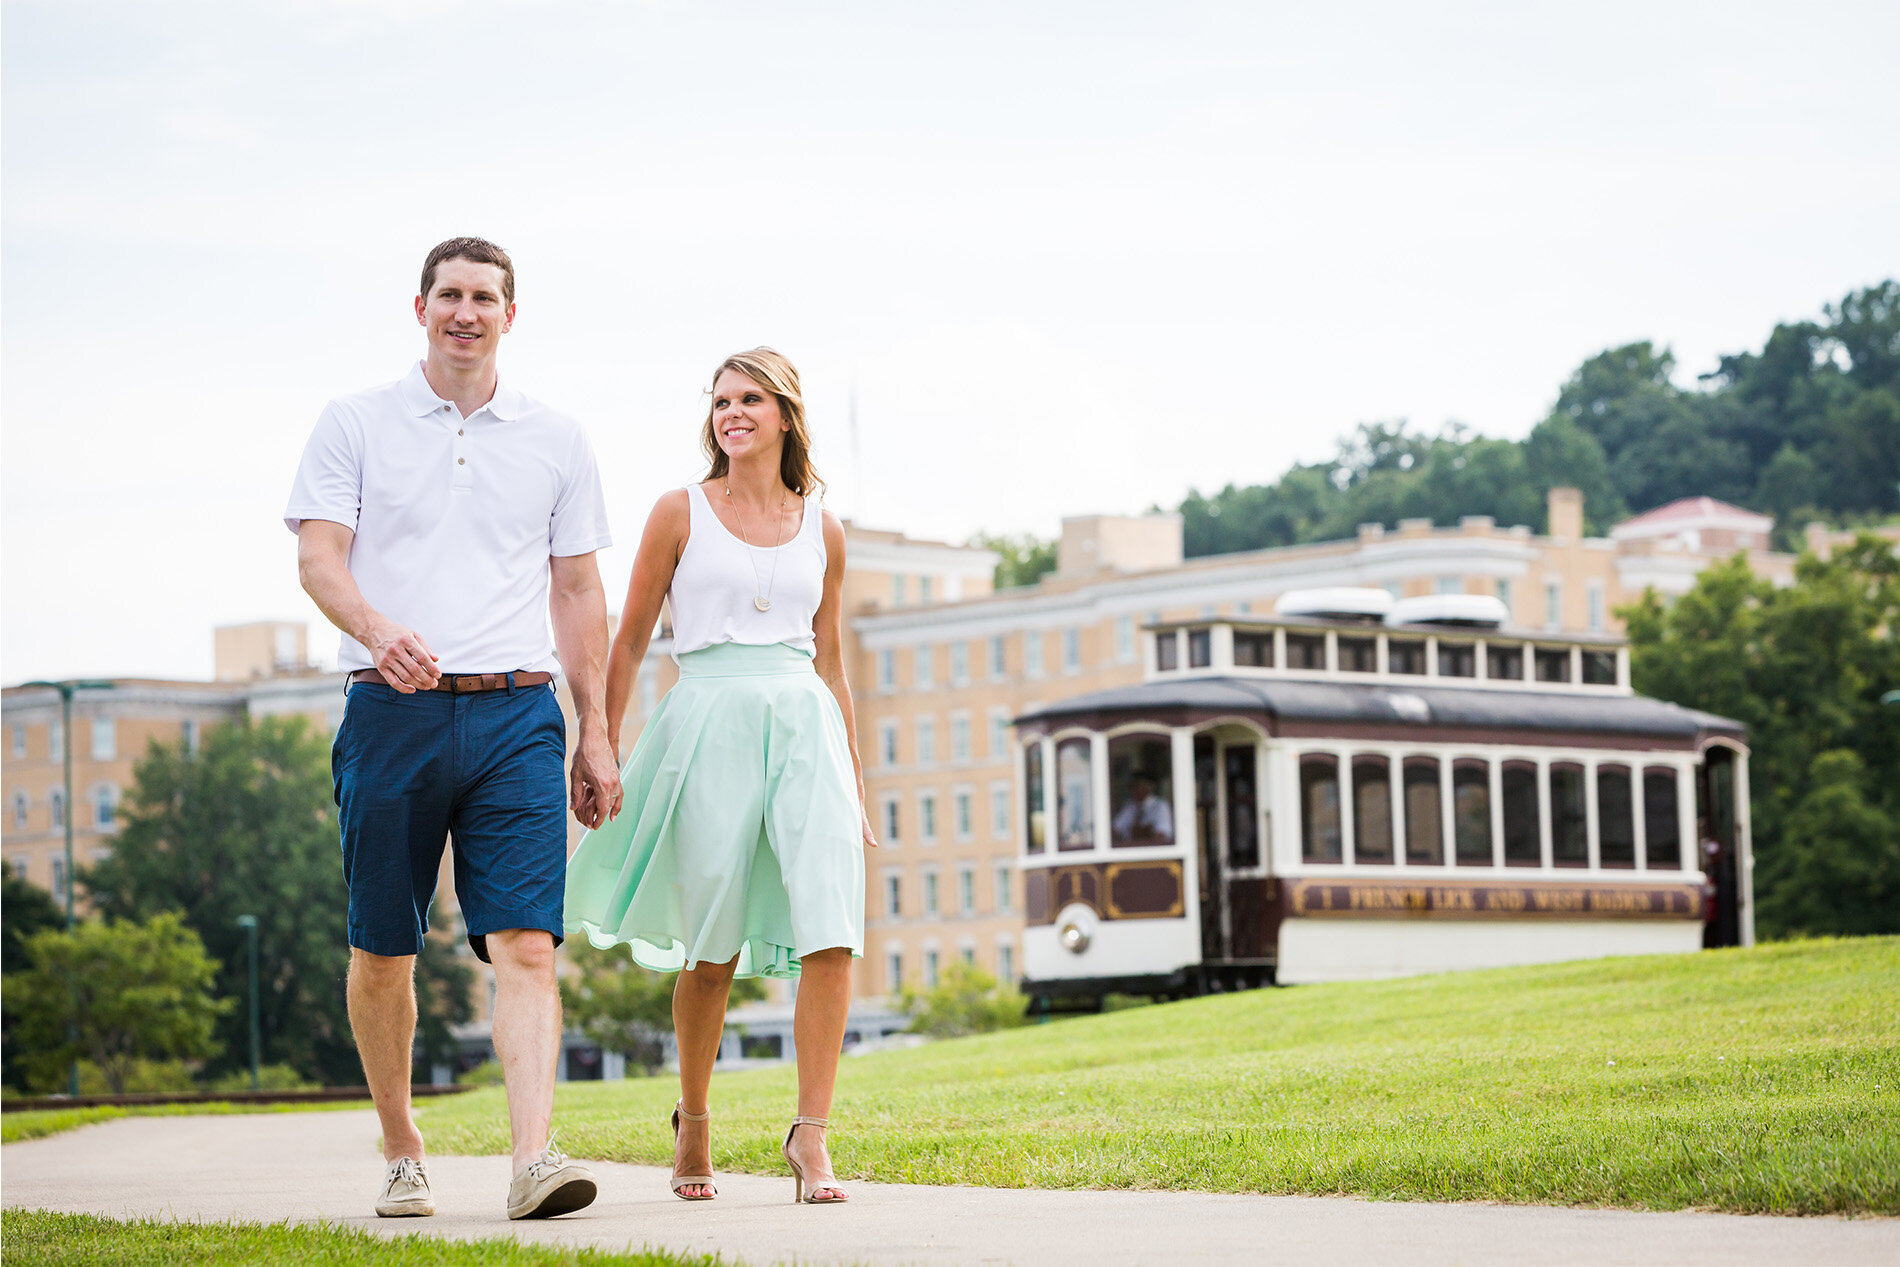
(19, 1124)
(1765, 1079)
(81, 1240)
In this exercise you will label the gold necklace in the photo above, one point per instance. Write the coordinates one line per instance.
(763, 600)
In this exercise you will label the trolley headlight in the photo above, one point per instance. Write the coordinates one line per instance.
(1075, 927)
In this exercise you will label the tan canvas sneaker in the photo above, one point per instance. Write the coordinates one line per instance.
(405, 1190)
(550, 1185)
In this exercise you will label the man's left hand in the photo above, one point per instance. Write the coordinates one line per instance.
(594, 791)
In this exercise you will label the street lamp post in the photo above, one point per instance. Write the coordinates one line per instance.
(66, 690)
(249, 924)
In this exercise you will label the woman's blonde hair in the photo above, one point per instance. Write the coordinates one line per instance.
(773, 372)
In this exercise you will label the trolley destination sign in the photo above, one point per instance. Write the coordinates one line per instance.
(1468, 900)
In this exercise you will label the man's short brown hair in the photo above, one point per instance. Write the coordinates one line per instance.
(482, 251)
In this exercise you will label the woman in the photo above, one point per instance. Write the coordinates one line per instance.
(739, 850)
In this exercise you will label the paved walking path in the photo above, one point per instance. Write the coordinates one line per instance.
(312, 1166)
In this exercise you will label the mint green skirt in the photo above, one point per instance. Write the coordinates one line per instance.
(739, 833)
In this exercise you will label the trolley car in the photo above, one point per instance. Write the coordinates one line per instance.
(1360, 788)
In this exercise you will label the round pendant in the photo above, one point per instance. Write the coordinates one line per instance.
(762, 603)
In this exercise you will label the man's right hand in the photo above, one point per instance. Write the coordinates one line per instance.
(403, 658)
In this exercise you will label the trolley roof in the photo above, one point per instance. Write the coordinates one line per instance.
(1295, 707)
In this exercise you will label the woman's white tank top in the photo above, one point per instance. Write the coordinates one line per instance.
(719, 576)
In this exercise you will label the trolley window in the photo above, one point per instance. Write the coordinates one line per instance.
(1662, 826)
(1471, 812)
(1358, 655)
(1305, 651)
(1569, 838)
(1522, 845)
(1616, 817)
(1200, 648)
(1372, 810)
(1424, 826)
(1034, 824)
(1505, 664)
(1253, 650)
(1599, 668)
(1243, 808)
(1075, 798)
(1404, 657)
(1457, 659)
(1140, 791)
(1553, 664)
(1167, 652)
(1319, 807)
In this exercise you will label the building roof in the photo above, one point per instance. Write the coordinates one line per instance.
(1300, 707)
(1685, 511)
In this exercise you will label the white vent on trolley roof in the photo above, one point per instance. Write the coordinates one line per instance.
(1341, 602)
(1477, 611)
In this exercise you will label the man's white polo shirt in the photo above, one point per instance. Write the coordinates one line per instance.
(455, 519)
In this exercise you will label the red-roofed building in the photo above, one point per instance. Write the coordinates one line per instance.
(1702, 525)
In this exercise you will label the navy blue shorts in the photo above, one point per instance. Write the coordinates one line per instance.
(488, 768)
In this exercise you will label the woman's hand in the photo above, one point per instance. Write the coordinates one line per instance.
(864, 823)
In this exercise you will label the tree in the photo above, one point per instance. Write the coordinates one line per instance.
(965, 1000)
(1020, 560)
(1804, 668)
(116, 993)
(622, 1007)
(25, 909)
(247, 825)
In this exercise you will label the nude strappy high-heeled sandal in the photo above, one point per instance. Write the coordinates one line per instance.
(682, 1181)
(805, 1188)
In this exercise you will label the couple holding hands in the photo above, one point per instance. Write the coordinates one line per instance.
(444, 523)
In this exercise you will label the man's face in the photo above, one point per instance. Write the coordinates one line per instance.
(1143, 789)
(464, 312)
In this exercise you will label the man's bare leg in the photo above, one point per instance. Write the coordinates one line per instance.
(527, 1033)
(382, 1002)
(699, 1021)
(818, 1024)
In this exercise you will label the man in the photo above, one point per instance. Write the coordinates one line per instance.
(441, 520)
(1145, 816)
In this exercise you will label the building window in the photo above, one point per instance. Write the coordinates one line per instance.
(921, 659)
(1032, 655)
(1005, 895)
(19, 740)
(1071, 650)
(967, 953)
(890, 820)
(1006, 964)
(1504, 664)
(19, 865)
(56, 802)
(999, 732)
(1662, 829)
(1553, 604)
(1616, 818)
(927, 817)
(1522, 835)
(999, 810)
(105, 806)
(887, 743)
(926, 740)
(59, 878)
(19, 809)
(1569, 832)
(105, 739)
(1449, 585)
(1593, 594)
(1140, 791)
(897, 590)
(960, 664)
(56, 740)
(894, 970)
(1424, 828)
(1372, 810)
(1033, 838)
(1075, 795)
(925, 588)
(1504, 596)
(887, 670)
(965, 815)
(893, 896)
(1124, 639)
(998, 656)
(930, 969)
(1471, 813)
(960, 738)
(930, 893)
(966, 890)
(1319, 807)
(188, 735)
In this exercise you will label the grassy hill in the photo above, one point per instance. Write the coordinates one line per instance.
(1765, 1079)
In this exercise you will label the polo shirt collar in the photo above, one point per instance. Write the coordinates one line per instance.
(422, 400)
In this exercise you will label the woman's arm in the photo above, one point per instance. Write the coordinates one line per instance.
(660, 546)
(828, 629)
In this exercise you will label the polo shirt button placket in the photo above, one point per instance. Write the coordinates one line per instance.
(460, 480)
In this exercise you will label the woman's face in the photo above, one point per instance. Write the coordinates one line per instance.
(746, 417)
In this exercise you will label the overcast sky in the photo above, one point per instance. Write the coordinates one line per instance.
(1072, 257)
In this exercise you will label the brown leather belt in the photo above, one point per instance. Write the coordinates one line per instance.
(463, 683)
